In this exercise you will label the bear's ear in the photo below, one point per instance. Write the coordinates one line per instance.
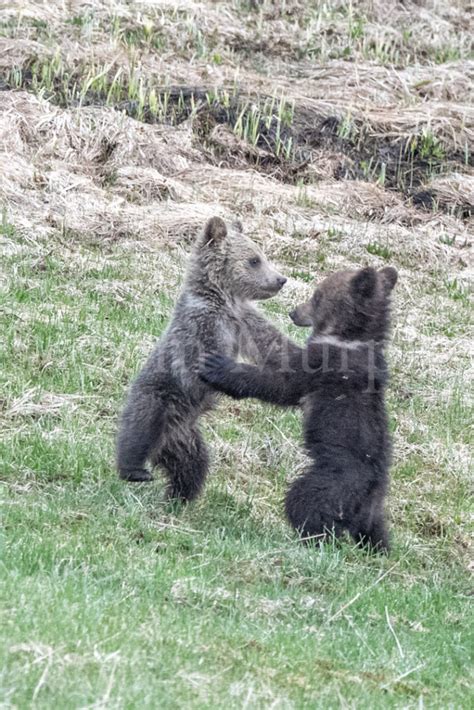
(238, 226)
(215, 232)
(363, 283)
(389, 277)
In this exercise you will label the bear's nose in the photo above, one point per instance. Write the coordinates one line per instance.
(281, 280)
(292, 315)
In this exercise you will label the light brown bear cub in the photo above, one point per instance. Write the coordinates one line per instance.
(160, 420)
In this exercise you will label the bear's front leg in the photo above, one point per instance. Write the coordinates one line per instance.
(223, 373)
(239, 380)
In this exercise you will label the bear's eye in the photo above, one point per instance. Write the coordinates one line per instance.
(255, 261)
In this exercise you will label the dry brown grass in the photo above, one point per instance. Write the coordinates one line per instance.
(453, 192)
(94, 173)
(92, 169)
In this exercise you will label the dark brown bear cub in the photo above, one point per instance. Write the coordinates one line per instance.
(345, 422)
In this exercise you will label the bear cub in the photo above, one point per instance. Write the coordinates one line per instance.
(159, 423)
(341, 383)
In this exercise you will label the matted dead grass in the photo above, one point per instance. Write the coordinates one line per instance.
(199, 44)
(386, 29)
(454, 192)
(92, 170)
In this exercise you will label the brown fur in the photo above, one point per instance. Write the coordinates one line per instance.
(160, 420)
(340, 379)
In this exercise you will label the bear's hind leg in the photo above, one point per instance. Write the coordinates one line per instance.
(186, 462)
(308, 513)
(140, 429)
(375, 536)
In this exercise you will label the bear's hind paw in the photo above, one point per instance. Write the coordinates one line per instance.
(137, 475)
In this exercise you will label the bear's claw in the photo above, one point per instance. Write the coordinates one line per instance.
(137, 475)
(213, 366)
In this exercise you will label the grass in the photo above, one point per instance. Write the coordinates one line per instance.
(263, 121)
(112, 599)
(379, 250)
(398, 151)
(264, 111)
(325, 32)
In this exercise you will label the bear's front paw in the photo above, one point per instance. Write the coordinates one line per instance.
(213, 368)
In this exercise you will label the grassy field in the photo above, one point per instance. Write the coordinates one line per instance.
(341, 134)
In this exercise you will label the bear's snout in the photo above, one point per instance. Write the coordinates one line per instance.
(277, 282)
(300, 317)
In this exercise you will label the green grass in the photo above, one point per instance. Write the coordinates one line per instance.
(377, 249)
(112, 599)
